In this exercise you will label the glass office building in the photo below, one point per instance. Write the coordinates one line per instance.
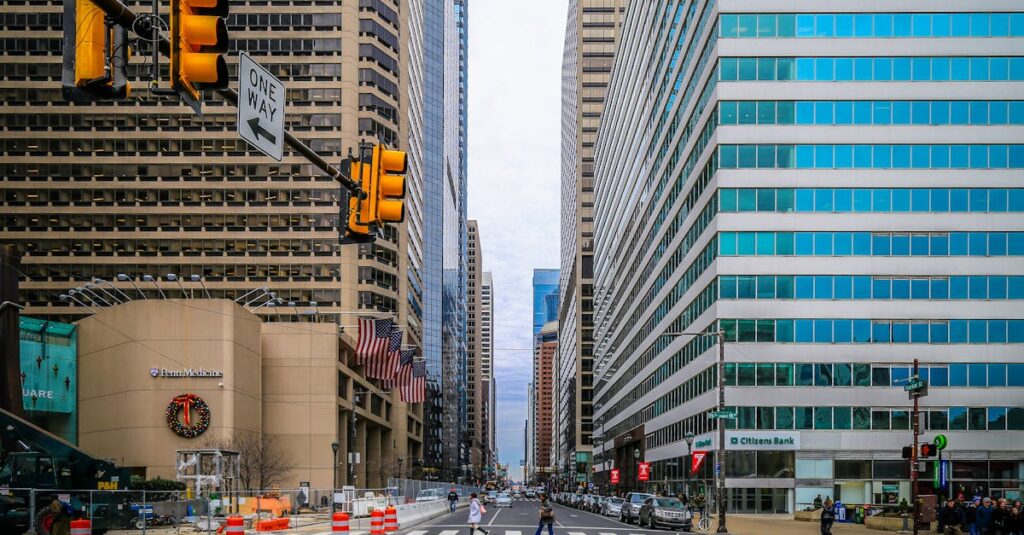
(839, 193)
(545, 297)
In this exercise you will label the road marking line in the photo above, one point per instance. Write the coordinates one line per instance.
(513, 532)
(417, 532)
(577, 533)
(605, 533)
(495, 517)
(448, 532)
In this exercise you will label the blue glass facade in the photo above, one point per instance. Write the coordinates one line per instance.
(884, 172)
(545, 297)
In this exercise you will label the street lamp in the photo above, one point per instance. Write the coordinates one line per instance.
(689, 454)
(334, 471)
(636, 468)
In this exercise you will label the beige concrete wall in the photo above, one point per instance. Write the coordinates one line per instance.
(122, 407)
(300, 403)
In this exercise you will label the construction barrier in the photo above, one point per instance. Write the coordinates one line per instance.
(235, 525)
(272, 525)
(339, 522)
(390, 519)
(377, 522)
(81, 527)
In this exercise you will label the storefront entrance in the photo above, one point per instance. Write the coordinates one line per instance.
(759, 501)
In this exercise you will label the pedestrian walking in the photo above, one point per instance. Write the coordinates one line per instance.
(983, 523)
(952, 518)
(828, 516)
(476, 509)
(453, 499)
(1016, 525)
(547, 516)
(1001, 518)
(971, 517)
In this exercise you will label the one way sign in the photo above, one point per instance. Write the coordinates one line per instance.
(260, 107)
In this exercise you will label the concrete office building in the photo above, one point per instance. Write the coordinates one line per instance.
(295, 382)
(477, 395)
(489, 412)
(590, 33)
(839, 193)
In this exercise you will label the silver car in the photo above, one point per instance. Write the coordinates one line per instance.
(503, 500)
(612, 506)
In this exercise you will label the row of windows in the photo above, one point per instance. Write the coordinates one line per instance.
(872, 25)
(871, 156)
(866, 331)
(874, 69)
(981, 287)
(877, 418)
(871, 244)
(980, 375)
(878, 200)
(872, 112)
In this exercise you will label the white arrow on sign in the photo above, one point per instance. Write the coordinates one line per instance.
(261, 99)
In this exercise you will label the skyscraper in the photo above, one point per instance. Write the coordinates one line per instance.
(477, 385)
(489, 411)
(544, 352)
(438, 111)
(545, 308)
(838, 195)
(590, 33)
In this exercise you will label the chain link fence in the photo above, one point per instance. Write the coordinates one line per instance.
(418, 491)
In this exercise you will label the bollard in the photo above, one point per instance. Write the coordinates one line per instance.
(81, 527)
(235, 526)
(377, 522)
(390, 519)
(339, 522)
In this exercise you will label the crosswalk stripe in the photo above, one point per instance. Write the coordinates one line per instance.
(577, 533)
(511, 532)
(605, 533)
(448, 532)
(417, 532)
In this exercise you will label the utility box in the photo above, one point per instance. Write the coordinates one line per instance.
(928, 509)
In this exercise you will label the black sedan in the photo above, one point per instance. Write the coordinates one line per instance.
(663, 511)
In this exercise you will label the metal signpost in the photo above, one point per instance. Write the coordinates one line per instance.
(261, 99)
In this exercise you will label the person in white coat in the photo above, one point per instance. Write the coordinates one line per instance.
(475, 510)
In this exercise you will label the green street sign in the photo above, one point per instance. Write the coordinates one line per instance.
(915, 383)
(726, 415)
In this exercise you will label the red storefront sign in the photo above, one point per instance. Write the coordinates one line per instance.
(615, 476)
(643, 472)
(697, 459)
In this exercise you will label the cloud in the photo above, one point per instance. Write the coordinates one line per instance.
(515, 61)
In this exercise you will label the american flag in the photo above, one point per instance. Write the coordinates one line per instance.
(415, 391)
(374, 336)
(404, 373)
(385, 366)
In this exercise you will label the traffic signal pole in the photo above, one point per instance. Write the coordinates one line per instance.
(915, 425)
(121, 15)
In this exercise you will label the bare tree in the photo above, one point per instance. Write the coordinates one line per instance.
(262, 461)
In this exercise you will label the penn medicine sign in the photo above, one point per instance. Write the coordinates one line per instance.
(185, 372)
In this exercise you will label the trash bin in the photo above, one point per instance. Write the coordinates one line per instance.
(858, 515)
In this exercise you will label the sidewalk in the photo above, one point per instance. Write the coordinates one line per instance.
(785, 525)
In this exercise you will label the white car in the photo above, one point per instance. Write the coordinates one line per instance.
(503, 500)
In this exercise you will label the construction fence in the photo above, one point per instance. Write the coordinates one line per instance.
(180, 511)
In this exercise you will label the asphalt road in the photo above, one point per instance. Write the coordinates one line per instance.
(522, 519)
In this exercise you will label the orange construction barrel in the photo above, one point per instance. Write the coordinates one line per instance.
(377, 522)
(81, 527)
(390, 519)
(339, 522)
(235, 525)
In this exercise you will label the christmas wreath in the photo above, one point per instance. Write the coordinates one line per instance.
(185, 404)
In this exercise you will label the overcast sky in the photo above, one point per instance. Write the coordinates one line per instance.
(515, 61)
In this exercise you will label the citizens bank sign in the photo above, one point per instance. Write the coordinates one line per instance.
(185, 372)
(749, 440)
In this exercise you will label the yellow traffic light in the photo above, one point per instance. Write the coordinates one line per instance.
(199, 37)
(359, 214)
(95, 58)
(389, 166)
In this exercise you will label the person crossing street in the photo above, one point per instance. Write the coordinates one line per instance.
(547, 516)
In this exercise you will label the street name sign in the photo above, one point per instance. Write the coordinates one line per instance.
(261, 100)
(727, 415)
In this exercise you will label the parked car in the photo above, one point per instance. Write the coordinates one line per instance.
(503, 500)
(595, 503)
(630, 510)
(612, 506)
(665, 511)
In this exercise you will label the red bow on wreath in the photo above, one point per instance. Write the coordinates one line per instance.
(185, 401)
